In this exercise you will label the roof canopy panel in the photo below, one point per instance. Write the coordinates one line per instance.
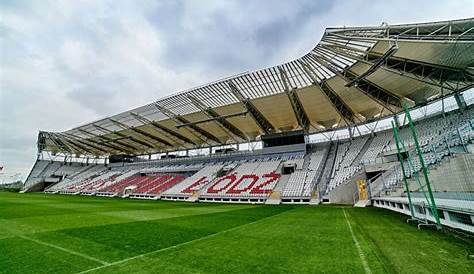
(353, 75)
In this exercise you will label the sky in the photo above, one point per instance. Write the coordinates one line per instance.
(66, 63)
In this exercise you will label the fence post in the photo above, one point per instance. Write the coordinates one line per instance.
(435, 153)
(447, 144)
(400, 159)
(462, 140)
(434, 209)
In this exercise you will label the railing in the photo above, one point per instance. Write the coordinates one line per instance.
(213, 157)
(379, 183)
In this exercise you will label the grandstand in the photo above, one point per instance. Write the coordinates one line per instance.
(304, 132)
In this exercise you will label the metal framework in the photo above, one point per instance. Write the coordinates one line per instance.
(342, 108)
(353, 75)
(296, 105)
(141, 132)
(106, 141)
(221, 120)
(180, 121)
(256, 115)
(168, 131)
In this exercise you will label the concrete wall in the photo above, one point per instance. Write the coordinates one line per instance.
(347, 193)
(380, 167)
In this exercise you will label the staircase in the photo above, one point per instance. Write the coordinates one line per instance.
(328, 167)
(307, 159)
(315, 200)
(362, 151)
(193, 197)
(274, 198)
(280, 185)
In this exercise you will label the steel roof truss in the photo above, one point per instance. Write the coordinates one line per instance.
(295, 102)
(142, 132)
(181, 120)
(155, 124)
(119, 147)
(78, 146)
(87, 142)
(378, 94)
(129, 138)
(256, 115)
(222, 121)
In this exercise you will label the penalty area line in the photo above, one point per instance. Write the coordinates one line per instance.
(63, 249)
(179, 245)
(365, 264)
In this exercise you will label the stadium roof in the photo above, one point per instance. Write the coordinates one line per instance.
(353, 75)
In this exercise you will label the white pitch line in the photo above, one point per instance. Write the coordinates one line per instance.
(63, 249)
(365, 264)
(178, 245)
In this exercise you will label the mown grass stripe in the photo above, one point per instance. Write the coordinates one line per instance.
(365, 264)
(180, 244)
(64, 249)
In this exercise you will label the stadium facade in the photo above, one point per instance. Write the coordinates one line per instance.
(250, 138)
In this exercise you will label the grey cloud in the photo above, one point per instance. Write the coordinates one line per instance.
(232, 44)
(100, 101)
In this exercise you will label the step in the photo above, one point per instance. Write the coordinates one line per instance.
(362, 151)
(362, 203)
(315, 198)
(274, 198)
(194, 197)
(281, 184)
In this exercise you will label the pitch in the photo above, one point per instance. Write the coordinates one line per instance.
(76, 234)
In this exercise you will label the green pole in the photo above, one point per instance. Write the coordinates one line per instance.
(411, 166)
(395, 134)
(434, 209)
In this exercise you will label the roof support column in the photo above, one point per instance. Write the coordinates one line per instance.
(460, 101)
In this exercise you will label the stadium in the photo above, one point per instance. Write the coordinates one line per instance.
(354, 158)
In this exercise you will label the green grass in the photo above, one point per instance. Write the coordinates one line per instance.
(70, 234)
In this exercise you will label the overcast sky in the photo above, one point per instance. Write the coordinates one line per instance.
(65, 63)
